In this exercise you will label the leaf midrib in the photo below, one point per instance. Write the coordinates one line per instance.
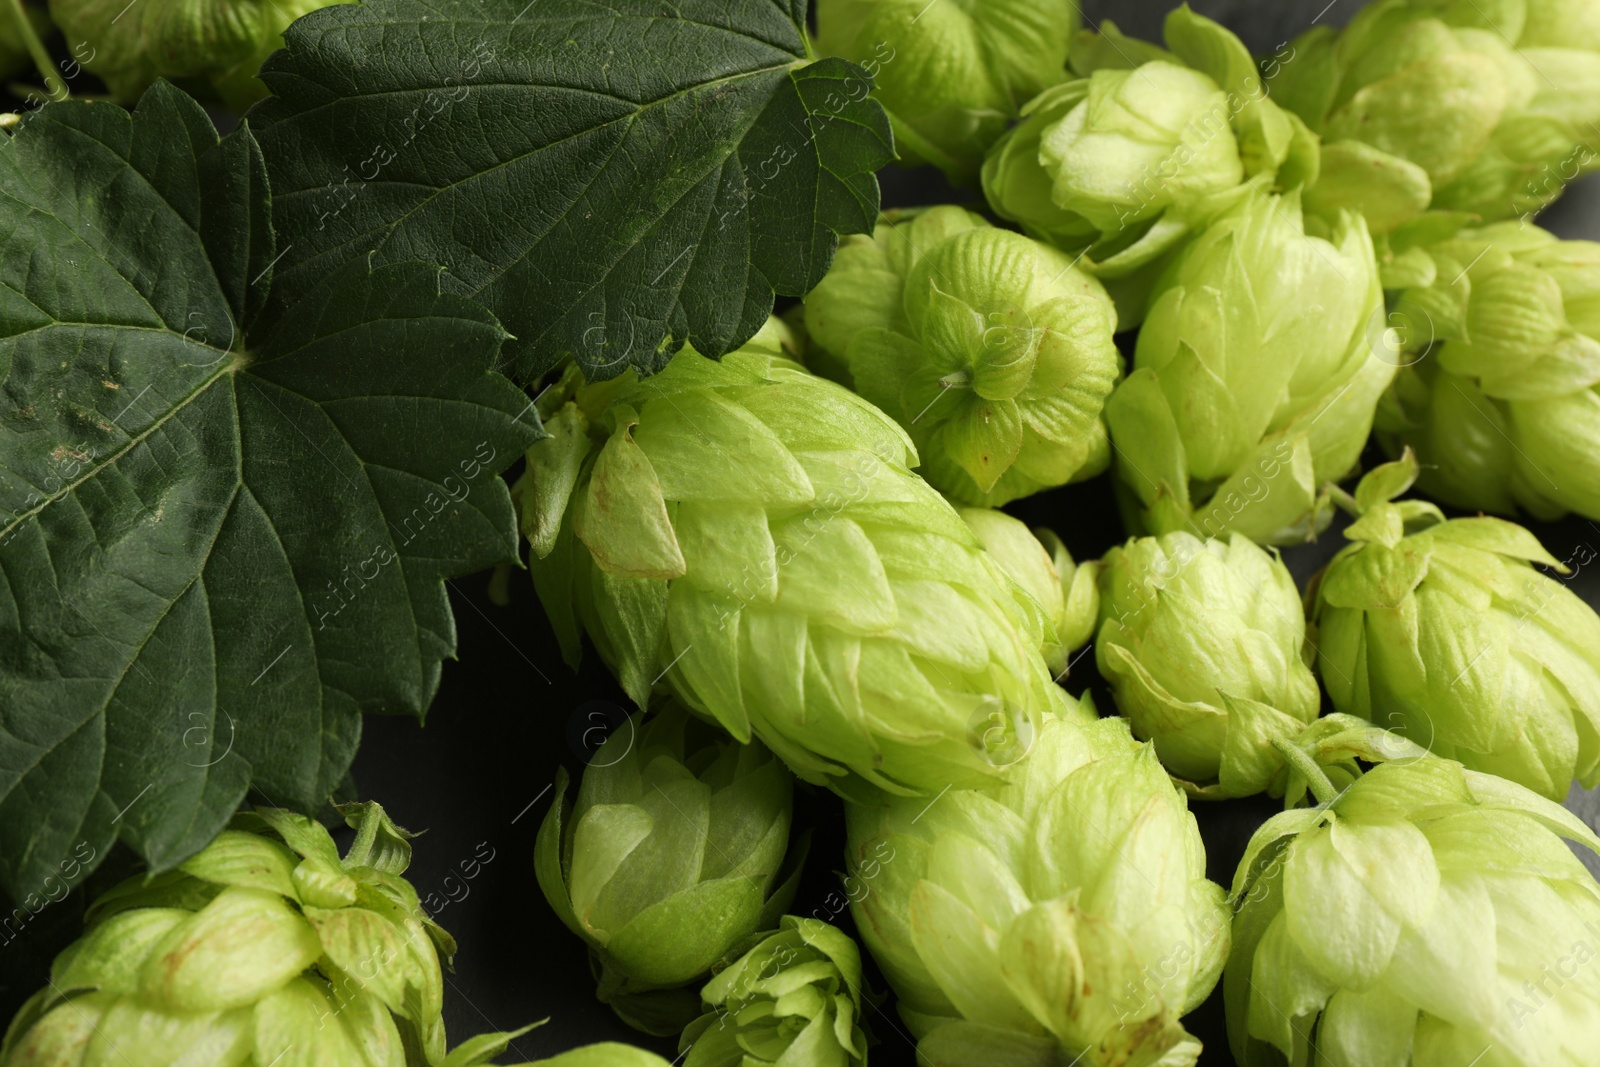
(231, 366)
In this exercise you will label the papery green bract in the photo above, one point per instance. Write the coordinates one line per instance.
(1067, 592)
(266, 947)
(1126, 160)
(1201, 642)
(672, 856)
(211, 45)
(1063, 918)
(794, 999)
(1503, 413)
(752, 536)
(993, 350)
(1492, 105)
(1254, 379)
(1443, 630)
(951, 75)
(1429, 916)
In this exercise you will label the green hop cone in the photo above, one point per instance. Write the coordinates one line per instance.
(1504, 413)
(1443, 630)
(951, 76)
(673, 854)
(1255, 379)
(1202, 645)
(1126, 160)
(1485, 108)
(1067, 592)
(752, 537)
(263, 948)
(1429, 916)
(793, 999)
(210, 47)
(992, 350)
(1065, 918)
(604, 1054)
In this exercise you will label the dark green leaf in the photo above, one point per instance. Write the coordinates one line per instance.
(610, 179)
(217, 549)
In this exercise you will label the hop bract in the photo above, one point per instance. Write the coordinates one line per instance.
(1428, 916)
(1255, 377)
(1202, 642)
(672, 856)
(1503, 413)
(604, 1054)
(751, 535)
(951, 76)
(1128, 158)
(211, 46)
(793, 999)
(992, 350)
(1066, 915)
(1490, 110)
(263, 948)
(1442, 629)
(1067, 592)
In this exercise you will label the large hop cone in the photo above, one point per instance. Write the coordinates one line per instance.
(753, 537)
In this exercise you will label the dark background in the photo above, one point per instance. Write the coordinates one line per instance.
(478, 775)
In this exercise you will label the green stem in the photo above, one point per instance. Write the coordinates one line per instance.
(1308, 768)
(1345, 501)
(41, 58)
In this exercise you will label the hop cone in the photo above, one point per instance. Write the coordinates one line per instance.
(672, 855)
(1201, 642)
(1482, 108)
(752, 536)
(1254, 381)
(1429, 916)
(1067, 592)
(794, 999)
(1064, 916)
(1443, 630)
(1127, 159)
(215, 44)
(992, 350)
(264, 948)
(951, 76)
(604, 1054)
(1504, 413)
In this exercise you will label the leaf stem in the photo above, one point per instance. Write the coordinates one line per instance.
(1321, 786)
(53, 82)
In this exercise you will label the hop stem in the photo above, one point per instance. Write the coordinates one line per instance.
(1321, 786)
(41, 58)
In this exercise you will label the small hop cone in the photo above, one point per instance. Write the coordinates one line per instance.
(951, 77)
(1066, 593)
(218, 44)
(752, 537)
(1442, 629)
(993, 351)
(1124, 162)
(1202, 644)
(1066, 915)
(1255, 378)
(673, 854)
(1497, 391)
(793, 999)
